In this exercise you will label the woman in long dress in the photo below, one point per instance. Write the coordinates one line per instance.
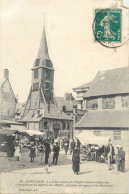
(76, 161)
(17, 153)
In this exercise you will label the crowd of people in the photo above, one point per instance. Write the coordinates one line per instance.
(43, 147)
(105, 153)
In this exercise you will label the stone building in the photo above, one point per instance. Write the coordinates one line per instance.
(41, 110)
(107, 105)
(7, 98)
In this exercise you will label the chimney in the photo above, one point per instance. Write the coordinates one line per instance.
(6, 73)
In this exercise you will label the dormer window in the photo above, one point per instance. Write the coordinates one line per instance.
(37, 62)
(36, 73)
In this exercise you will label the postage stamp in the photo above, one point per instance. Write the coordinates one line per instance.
(108, 25)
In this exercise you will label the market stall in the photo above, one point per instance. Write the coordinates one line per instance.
(7, 138)
(93, 147)
(86, 138)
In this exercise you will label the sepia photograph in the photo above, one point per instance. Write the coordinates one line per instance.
(64, 96)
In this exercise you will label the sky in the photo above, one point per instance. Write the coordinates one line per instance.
(75, 55)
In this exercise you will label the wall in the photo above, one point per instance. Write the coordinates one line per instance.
(63, 132)
(7, 101)
(33, 126)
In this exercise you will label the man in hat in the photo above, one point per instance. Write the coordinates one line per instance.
(111, 153)
(56, 150)
(72, 146)
(47, 151)
(121, 159)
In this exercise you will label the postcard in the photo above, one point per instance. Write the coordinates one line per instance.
(64, 96)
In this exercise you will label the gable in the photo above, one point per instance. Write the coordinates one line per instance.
(7, 88)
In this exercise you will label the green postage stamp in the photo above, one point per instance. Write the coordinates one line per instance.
(108, 25)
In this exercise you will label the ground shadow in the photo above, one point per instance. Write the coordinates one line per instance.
(86, 172)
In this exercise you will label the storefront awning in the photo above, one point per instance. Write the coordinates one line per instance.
(33, 132)
(5, 131)
(88, 138)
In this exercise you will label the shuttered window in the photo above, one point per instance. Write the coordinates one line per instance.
(35, 86)
(48, 63)
(36, 73)
(37, 62)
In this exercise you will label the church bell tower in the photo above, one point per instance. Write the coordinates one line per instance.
(43, 72)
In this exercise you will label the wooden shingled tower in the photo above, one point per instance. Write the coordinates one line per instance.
(41, 110)
(41, 95)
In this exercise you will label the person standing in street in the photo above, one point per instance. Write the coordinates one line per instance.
(41, 150)
(72, 146)
(32, 152)
(56, 150)
(117, 160)
(17, 153)
(47, 151)
(66, 146)
(111, 153)
(121, 160)
(76, 161)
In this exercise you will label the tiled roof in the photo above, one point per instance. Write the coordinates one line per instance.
(105, 119)
(114, 81)
(55, 113)
(68, 104)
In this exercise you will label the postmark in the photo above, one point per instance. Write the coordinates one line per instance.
(107, 28)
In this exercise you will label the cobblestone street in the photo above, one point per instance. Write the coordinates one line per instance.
(93, 178)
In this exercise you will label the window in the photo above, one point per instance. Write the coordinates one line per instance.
(92, 104)
(63, 108)
(45, 124)
(117, 135)
(63, 126)
(67, 125)
(35, 86)
(97, 133)
(36, 72)
(37, 62)
(108, 103)
(125, 101)
(48, 63)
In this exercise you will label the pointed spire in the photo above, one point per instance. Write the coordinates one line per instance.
(43, 49)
